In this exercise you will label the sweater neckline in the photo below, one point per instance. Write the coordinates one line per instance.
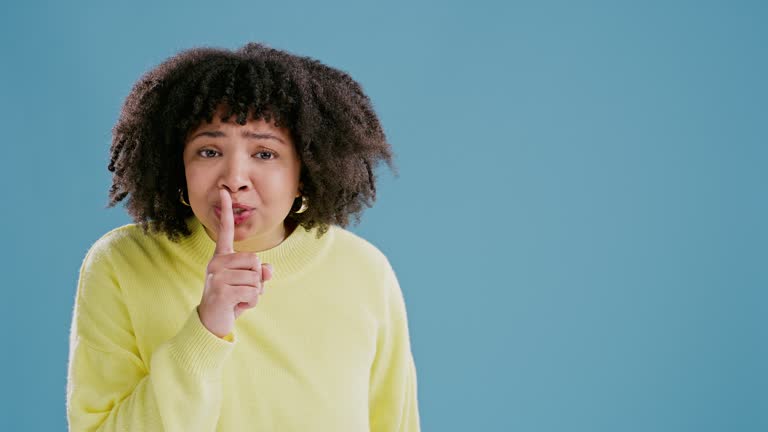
(290, 258)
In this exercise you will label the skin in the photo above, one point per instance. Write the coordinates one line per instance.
(258, 172)
(255, 164)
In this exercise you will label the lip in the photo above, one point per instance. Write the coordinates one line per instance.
(237, 218)
(241, 206)
(235, 206)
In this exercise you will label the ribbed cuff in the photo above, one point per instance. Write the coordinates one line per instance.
(198, 350)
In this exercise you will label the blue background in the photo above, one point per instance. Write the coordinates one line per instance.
(579, 224)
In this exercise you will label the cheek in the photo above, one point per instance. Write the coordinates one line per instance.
(277, 191)
(280, 190)
(197, 182)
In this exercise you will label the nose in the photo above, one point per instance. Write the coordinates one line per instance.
(234, 175)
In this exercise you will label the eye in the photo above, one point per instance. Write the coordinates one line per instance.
(207, 153)
(265, 155)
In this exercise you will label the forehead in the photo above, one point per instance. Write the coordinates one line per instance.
(257, 129)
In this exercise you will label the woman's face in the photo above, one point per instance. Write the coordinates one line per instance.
(257, 163)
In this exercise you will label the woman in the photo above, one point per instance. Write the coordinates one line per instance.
(238, 301)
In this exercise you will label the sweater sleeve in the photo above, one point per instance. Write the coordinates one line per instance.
(110, 387)
(393, 401)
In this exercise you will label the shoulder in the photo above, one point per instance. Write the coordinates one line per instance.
(360, 248)
(114, 256)
(365, 262)
(122, 241)
(361, 257)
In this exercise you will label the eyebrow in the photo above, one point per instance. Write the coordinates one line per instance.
(244, 134)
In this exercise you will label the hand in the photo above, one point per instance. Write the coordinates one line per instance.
(234, 280)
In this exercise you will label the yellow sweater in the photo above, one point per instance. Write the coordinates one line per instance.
(326, 349)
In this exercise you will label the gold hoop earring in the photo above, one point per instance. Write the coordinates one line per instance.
(304, 205)
(181, 198)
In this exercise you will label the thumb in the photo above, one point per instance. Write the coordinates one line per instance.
(267, 272)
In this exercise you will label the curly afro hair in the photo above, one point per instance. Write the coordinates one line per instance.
(335, 130)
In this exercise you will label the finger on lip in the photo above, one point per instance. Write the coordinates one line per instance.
(226, 234)
(234, 207)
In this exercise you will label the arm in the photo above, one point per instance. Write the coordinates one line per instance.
(393, 400)
(109, 385)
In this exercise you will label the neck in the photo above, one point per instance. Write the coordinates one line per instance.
(263, 241)
(290, 258)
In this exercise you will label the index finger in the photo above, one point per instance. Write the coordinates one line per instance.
(226, 237)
